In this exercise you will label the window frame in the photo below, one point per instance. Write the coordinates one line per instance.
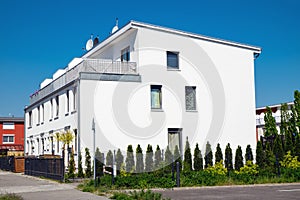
(159, 88)
(169, 66)
(125, 54)
(8, 136)
(194, 88)
(179, 132)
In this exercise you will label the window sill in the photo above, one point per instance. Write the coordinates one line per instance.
(193, 111)
(50, 120)
(173, 69)
(55, 118)
(29, 127)
(157, 110)
(74, 111)
(37, 124)
(42, 123)
(67, 114)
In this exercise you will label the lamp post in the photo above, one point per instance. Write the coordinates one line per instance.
(94, 146)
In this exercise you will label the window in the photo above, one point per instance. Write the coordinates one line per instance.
(30, 119)
(125, 54)
(43, 113)
(74, 99)
(190, 98)
(174, 138)
(67, 102)
(156, 97)
(8, 139)
(39, 115)
(51, 109)
(172, 60)
(8, 126)
(57, 105)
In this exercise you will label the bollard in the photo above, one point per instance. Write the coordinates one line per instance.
(177, 174)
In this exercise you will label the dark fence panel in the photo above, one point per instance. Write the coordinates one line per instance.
(52, 168)
(7, 163)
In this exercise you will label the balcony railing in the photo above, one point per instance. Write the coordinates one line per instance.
(101, 66)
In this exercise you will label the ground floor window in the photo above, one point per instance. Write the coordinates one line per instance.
(174, 139)
(8, 139)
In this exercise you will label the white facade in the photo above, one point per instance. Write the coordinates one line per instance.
(175, 85)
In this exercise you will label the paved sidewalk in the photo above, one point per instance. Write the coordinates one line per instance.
(32, 188)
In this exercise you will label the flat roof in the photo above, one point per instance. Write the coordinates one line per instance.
(11, 119)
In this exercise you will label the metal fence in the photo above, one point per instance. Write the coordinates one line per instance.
(7, 163)
(52, 168)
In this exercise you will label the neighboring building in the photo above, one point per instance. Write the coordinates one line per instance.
(11, 134)
(147, 84)
(260, 121)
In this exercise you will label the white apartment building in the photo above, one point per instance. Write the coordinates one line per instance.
(147, 84)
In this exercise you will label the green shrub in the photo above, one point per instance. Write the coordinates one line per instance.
(141, 195)
(10, 197)
(247, 173)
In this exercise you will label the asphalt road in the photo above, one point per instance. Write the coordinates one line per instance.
(251, 192)
(32, 188)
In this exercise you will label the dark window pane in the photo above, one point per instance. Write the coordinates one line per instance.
(172, 60)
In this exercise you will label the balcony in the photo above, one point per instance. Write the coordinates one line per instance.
(91, 66)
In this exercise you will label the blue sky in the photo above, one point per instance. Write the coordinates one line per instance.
(39, 36)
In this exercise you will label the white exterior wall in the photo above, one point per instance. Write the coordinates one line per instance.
(48, 126)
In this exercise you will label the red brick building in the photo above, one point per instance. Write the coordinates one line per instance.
(11, 134)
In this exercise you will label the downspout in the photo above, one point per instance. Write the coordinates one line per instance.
(78, 118)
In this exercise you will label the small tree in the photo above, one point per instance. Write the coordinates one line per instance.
(218, 154)
(80, 170)
(228, 158)
(158, 158)
(129, 159)
(71, 172)
(208, 156)
(260, 155)
(168, 159)
(238, 162)
(297, 107)
(88, 170)
(109, 159)
(99, 162)
(119, 160)
(288, 143)
(249, 154)
(285, 117)
(149, 159)
(277, 149)
(187, 163)
(139, 160)
(270, 123)
(269, 159)
(177, 157)
(297, 147)
(198, 160)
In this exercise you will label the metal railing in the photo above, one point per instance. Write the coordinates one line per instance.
(102, 66)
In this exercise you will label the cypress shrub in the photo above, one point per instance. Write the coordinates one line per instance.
(139, 159)
(260, 155)
(198, 160)
(249, 154)
(158, 158)
(277, 149)
(208, 156)
(129, 159)
(187, 163)
(228, 158)
(149, 159)
(177, 157)
(88, 170)
(119, 160)
(218, 154)
(99, 162)
(80, 170)
(238, 162)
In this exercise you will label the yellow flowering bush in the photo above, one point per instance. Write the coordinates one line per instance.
(217, 169)
(290, 162)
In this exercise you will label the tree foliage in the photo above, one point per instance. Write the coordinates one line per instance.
(139, 159)
(228, 158)
(99, 162)
(238, 161)
(119, 160)
(177, 157)
(285, 117)
(187, 163)
(129, 159)
(249, 154)
(198, 160)
(71, 167)
(260, 155)
(88, 169)
(270, 123)
(277, 148)
(168, 159)
(208, 156)
(80, 170)
(149, 159)
(218, 154)
(157, 157)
